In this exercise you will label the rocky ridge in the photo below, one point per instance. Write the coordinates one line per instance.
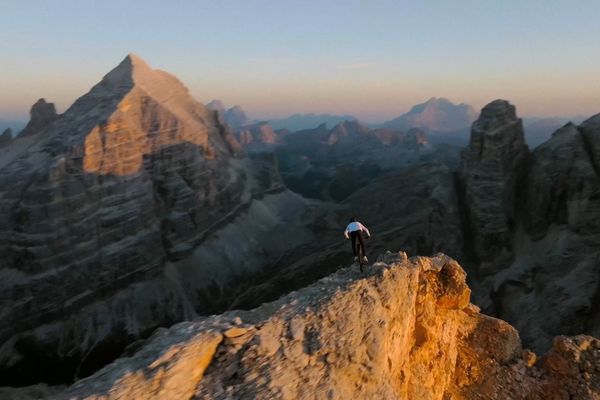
(6, 137)
(405, 330)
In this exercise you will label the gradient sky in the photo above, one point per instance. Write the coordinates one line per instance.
(373, 59)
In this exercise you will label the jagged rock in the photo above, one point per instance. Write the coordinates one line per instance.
(552, 285)
(6, 137)
(217, 105)
(346, 129)
(534, 223)
(561, 183)
(42, 115)
(257, 137)
(491, 167)
(403, 331)
(102, 217)
(234, 117)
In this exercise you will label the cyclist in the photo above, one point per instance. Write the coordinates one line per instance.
(354, 231)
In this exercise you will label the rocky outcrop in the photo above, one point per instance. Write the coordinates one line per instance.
(118, 218)
(6, 137)
(42, 115)
(257, 137)
(235, 116)
(490, 172)
(406, 330)
(552, 285)
(216, 105)
(532, 225)
(347, 130)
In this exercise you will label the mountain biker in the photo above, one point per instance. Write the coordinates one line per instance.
(354, 231)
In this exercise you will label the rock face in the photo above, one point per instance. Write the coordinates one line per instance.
(257, 137)
(532, 226)
(103, 214)
(42, 115)
(406, 330)
(491, 168)
(552, 284)
(6, 137)
(435, 115)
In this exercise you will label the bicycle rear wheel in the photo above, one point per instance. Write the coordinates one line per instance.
(360, 253)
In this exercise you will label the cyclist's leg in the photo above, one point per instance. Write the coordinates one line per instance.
(353, 240)
(362, 243)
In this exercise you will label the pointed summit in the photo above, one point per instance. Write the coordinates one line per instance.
(216, 105)
(131, 70)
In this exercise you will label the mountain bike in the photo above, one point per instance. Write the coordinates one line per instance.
(360, 254)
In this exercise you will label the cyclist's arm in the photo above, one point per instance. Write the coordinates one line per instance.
(364, 228)
(346, 234)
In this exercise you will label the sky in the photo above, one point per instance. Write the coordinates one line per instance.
(373, 59)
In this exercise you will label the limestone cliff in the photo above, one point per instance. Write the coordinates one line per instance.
(405, 330)
(490, 170)
(117, 216)
(532, 225)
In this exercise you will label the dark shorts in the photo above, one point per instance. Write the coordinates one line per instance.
(353, 237)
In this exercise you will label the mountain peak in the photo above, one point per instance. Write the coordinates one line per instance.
(216, 105)
(133, 69)
(436, 114)
(592, 122)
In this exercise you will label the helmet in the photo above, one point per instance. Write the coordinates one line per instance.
(352, 219)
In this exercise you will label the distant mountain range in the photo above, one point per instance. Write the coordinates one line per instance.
(298, 122)
(440, 118)
(436, 115)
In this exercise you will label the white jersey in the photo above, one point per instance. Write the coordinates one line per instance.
(356, 226)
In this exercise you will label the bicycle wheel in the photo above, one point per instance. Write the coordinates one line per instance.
(360, 253)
